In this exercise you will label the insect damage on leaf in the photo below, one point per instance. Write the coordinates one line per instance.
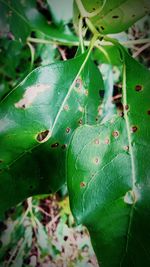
(43, 136)
(30, 94)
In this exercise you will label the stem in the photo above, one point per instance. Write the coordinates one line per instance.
(32, 51)
(104, 52)
(85, 13)
(108, 41)
(91, 26)
(43, 41)
(80, 34)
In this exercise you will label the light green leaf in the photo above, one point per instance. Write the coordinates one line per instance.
(109, 176)
(114, 16)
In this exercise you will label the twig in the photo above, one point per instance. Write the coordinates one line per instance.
(141, 49)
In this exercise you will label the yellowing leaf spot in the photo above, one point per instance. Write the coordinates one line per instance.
(30, 94)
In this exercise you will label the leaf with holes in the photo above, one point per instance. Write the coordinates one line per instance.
(112, 16)
(37, 120)
(109, 176)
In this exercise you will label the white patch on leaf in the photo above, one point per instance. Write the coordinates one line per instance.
(30, 94)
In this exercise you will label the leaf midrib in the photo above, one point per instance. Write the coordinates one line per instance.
(132, 161)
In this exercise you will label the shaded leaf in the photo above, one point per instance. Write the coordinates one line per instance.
(21, 18)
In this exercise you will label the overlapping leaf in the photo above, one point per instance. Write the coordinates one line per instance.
(109, 176)
(114, 16)
(21, 17)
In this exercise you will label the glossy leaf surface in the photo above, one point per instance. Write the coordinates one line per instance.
(37, 120)
(109, 176)
(114, 16)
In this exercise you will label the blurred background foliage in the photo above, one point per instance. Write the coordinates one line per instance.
(41, 231)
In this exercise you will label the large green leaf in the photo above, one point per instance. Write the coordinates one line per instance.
(37, 120)
(109, 176)
(21, 17)
(114, 16)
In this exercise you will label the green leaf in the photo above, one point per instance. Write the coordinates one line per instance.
(44, 105)
(109, 176)
(108, 54)
(37, 120)
(21, 18)
(114, 16)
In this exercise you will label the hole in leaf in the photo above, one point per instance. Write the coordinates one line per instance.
(1, 161)
(130, 197)
(133, 129)
(64, 146)
(43, 136)
(138, 87)
(80, 122)
(102, 28)
(115, 17)
(68, 130)
(65, 238)
(55, 145)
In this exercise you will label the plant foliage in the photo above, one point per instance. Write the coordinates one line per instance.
(60, 124)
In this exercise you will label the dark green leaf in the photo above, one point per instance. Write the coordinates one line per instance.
(109, 176)
(21, 18)
(37, 120)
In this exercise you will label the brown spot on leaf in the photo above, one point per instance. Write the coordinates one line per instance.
(133, 129)
(96, 160)
(107, 141)
(126, 148)
(138, 87)
(68, 130)
(54, 145)
(148, 112)
(80, 122)
(64, 146)
(115, 134)
(126, 107)
(1, 161)
(96, 141)
(82, 184)
(43, 136)
(66, 107)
